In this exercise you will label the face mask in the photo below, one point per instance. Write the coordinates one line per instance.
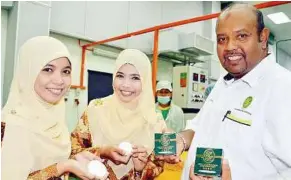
(164, 99)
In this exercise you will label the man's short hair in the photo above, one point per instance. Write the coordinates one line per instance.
(257, 13)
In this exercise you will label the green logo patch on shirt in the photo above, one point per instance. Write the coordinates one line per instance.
(247, 102)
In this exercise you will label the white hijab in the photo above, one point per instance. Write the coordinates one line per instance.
(112, 122)
(36, 135)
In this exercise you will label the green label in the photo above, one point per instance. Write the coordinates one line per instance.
(183, 75)
(165, 143)
(208, 162)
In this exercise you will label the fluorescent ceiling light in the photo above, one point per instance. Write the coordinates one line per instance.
(279, 18)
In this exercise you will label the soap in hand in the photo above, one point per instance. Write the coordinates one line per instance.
(98, 169)
(126, 146)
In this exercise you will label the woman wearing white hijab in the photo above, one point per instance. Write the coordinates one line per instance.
(127, 115)
(36, 144)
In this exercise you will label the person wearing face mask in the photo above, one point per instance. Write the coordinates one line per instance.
(172, 114)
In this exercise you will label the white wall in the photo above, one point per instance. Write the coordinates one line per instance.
(4, 19)
(165, 71)
(26, 19)
(9, 52)
(101, 20)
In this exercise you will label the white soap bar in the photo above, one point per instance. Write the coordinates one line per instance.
(126, 146)
(98, 169)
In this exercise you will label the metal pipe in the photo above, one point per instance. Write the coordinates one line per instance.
(164, 26)
(79, 42)
(179, 23)
(155, 60)
(81, 86)
(160, 27)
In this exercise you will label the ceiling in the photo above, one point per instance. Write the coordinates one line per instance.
(280, 31)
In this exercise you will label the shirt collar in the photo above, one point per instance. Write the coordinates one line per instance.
(257, 73)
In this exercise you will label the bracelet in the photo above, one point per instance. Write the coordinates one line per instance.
(183, 140)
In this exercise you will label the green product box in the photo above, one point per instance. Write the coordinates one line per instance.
(73, 177)
(165, 144)
(208, 162)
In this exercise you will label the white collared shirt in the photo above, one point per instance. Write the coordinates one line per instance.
(262, 150)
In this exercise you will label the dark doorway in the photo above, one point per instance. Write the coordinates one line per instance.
(99, 85)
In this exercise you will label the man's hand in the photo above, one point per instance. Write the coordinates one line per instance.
(114, 154)
(226, 173)
(194, 177)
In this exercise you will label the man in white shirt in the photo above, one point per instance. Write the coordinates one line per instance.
(248, 113)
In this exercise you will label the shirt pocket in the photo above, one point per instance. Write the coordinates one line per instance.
(242, 127)
(240, 116)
